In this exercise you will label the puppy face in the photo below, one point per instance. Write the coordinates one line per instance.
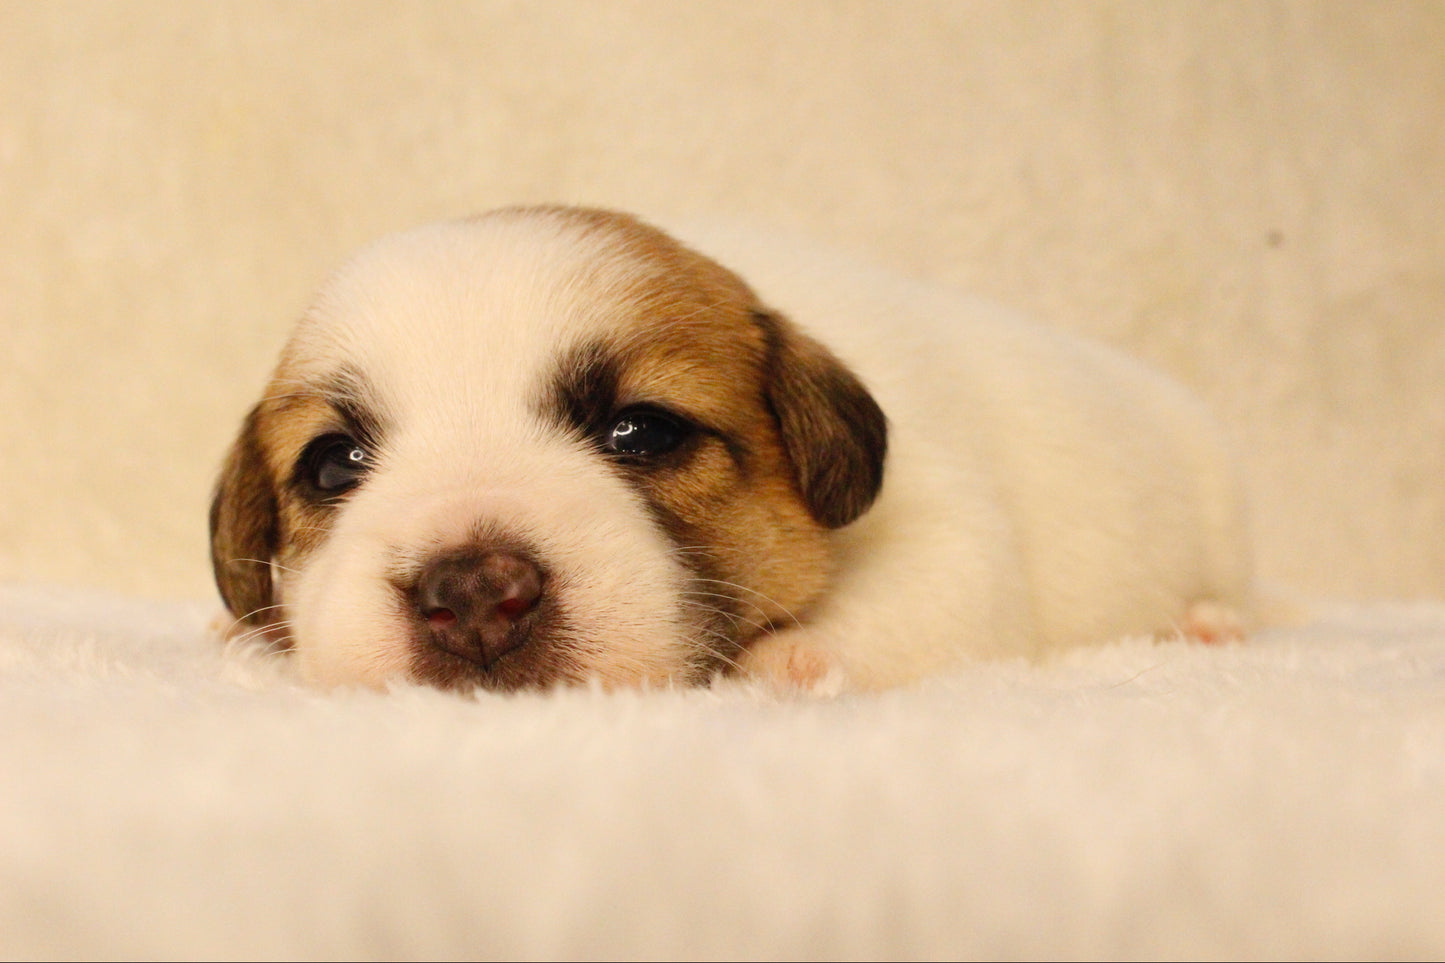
(541, 446)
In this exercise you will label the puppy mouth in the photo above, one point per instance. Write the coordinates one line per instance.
(494, 616)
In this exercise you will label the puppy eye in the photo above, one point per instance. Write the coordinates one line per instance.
(335, 463)
(646, 433)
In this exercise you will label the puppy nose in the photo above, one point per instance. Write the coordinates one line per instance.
(475, 604)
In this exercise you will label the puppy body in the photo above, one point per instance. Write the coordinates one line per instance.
(1043, 491)
(646, 474)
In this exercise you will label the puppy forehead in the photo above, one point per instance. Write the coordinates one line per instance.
(491, 305)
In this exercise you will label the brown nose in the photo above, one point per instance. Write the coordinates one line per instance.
(476, 604)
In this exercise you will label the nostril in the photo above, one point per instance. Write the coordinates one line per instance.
(477, 603)
(440, 618)
(521, 588)
(513, 608)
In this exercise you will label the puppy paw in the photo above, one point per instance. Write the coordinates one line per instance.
(787, 663)
(1212, 623)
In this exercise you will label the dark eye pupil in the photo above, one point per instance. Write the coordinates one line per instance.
(643, 434)
(339, 464)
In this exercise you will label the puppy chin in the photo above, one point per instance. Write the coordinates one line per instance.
(609, 576)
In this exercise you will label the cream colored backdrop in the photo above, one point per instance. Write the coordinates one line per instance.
(1251, 195)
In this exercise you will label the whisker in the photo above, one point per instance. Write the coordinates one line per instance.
(721, 583)
(712, 652)
(273, 644)
(263, 561)
(259, 610)
(707, 551)
(734, 617)
(242, 619)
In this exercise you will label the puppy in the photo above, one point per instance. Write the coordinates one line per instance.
(555, 445)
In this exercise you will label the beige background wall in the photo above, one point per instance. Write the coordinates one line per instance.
(1251, 195)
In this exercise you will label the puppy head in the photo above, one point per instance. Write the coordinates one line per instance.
(543, 445)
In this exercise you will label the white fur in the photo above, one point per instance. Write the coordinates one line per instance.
(1043, 491)
(1040, 492)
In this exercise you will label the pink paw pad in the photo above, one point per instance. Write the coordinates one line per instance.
(1212, 624)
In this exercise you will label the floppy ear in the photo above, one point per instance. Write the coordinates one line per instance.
(835, 434)
(244, 529)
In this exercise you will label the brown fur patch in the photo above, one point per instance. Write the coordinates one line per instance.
(261, 511)
(244, 535)
(791, 442)
(835, 434)
(292, 425)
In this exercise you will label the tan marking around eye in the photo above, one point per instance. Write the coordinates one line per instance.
(288, 424)
(691, 345)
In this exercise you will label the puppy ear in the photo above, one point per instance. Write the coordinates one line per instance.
(244, 528)
(835, 434)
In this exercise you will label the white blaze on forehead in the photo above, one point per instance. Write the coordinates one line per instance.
(464, 318)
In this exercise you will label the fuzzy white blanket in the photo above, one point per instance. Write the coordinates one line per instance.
(1280, 798)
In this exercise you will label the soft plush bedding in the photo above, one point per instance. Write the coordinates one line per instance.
(165, 797)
